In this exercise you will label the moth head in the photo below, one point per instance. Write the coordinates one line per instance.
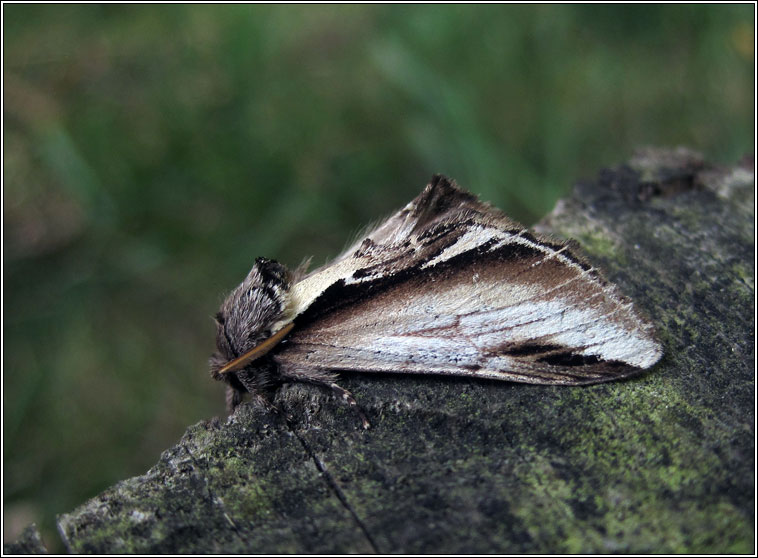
(248, 314)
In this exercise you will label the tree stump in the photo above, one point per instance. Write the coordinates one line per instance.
(661, 463)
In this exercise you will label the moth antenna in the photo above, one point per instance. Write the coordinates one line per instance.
(257, 351)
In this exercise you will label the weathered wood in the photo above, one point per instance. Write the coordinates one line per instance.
(30, 542)
(660, 463)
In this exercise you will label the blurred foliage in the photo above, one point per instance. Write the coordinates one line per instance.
(151, 152)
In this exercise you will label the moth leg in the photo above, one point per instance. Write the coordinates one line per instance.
(327, 380)
(233, 399)
(347, 397)
(234, 394)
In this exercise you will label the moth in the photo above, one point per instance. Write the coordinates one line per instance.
(447, 285)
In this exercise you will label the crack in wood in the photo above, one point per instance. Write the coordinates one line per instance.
(332, 482)
(215, 500)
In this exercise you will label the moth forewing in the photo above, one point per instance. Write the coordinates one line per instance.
(447, 285)
(468, 318)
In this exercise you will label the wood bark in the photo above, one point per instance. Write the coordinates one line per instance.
(662, 463)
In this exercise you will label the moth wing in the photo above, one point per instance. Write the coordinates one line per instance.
(440, 199)
(434, 220)
(493, 302)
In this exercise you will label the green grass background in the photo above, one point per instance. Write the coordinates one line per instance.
(152, 152)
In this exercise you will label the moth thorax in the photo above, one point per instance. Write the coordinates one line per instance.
(252, 309)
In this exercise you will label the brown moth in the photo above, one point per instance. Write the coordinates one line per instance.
(447, 285)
